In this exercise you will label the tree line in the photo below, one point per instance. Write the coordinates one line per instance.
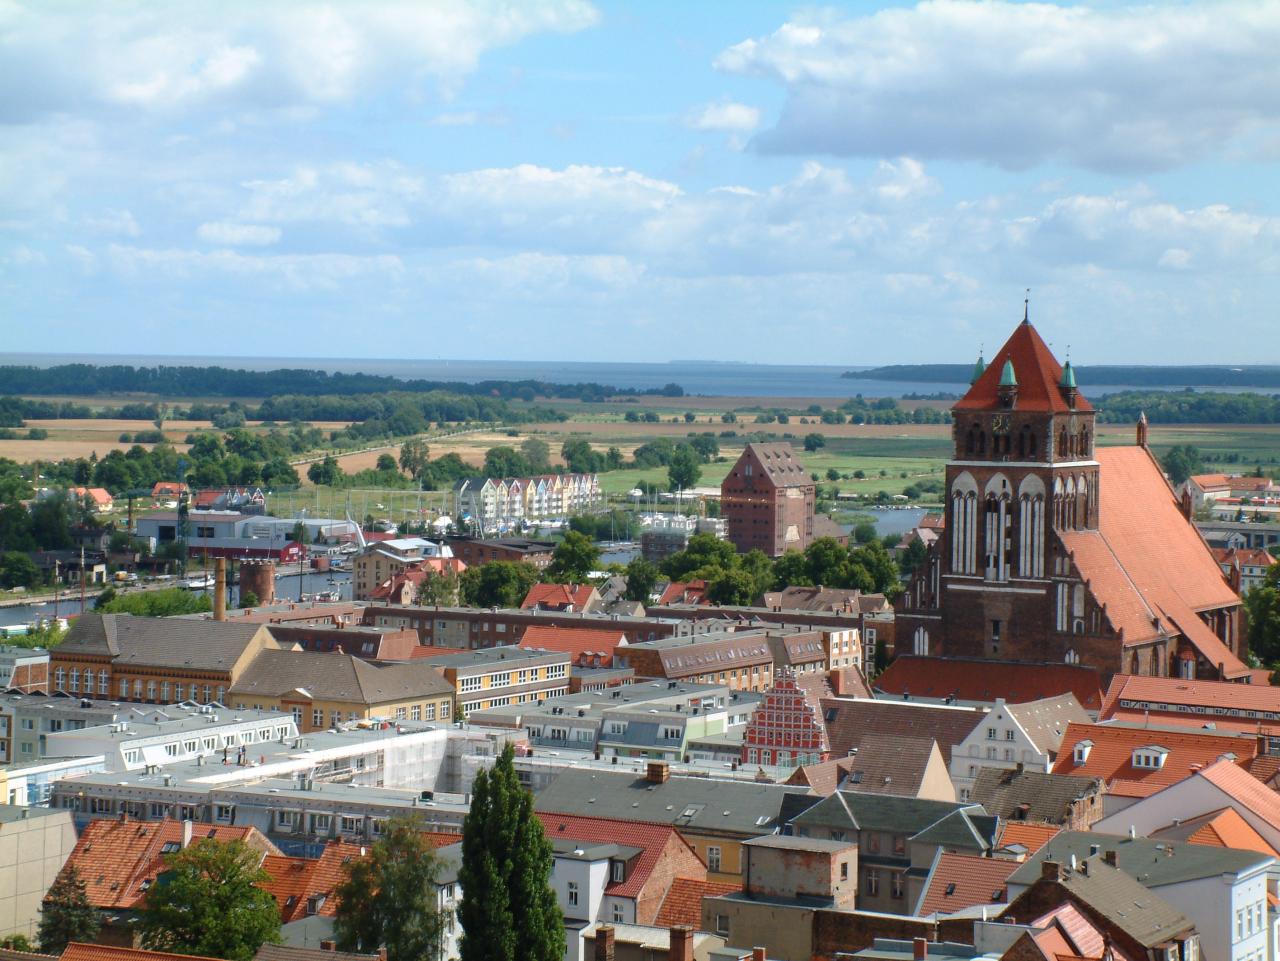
(1203, 375)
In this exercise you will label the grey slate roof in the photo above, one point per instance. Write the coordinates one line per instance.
(935, 822)
(334, 676)
(1153, 863)
(160, 641)
(1046, 720)
(1047, 797)
(746, 808)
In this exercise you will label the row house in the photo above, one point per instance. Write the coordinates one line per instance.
(498, 502)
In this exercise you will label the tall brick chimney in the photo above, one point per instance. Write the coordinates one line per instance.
(1051, 870)
(604, 942)
(1109, 857)
(658, 772)
(919, 949)
(220, 589)
(681, 943)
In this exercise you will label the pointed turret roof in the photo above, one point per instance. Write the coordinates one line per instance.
(1007, 376)
(1068, 377)
(978, 369)
(1038, 377)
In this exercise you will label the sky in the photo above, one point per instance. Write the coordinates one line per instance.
(545, 180)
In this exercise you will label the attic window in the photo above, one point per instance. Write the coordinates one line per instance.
(1151, 758)
(1081, 752)
(951, 889)
(145, 885)
(170, 847)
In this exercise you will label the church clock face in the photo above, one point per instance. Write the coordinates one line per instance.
(1000, 424)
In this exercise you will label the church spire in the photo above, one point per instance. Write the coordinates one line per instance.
(1026, 307)
(1008, 378)
(978, 369)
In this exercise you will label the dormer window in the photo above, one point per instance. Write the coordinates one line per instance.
(1081, 753)
(618, 871)
(1150, 758)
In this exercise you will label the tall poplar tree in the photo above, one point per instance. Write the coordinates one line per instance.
(508, 910)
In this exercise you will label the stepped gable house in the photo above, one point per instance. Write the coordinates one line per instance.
(1054, 550)
(767, 500)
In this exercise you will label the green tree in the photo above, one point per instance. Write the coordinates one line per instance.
(864, 532)
(912, 557)
(732, 586)
(828, 562)
(505, 462)
(415, 458)
(574, 559)
(1262, 607)
(18, 570)
(508, 910)
(873, 569)
(385, 463)
(440, 590)
(248, 599)
(536, 453)
(1180, 462)
(685, 468)
(813, 442)
(325, 472)
(497, 584)
(67, 915)
(702, 557)
(791, 570)
(642, 577)
(169, 602)
(209, 902)
(389, 898)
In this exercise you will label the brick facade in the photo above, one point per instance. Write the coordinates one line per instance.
(767, 500)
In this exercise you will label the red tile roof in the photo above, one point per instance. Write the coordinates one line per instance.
(652, 839)
(681, 592)
(78, 951)
(1030, 835)
(1245, 556)
(1146, 592)
(1037, 372)
(559, 597)
(1224, 828)
(1111, 756)
(683, 903)
(119, 860)
(978, 679)
(590, 647)
(959, 881)
(420, 571)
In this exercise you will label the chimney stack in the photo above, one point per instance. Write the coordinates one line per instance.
(658, 772)
(919, 949)
(681, 943)
(758, 954)
(328, 945)
(1110, 857)
(1051, 870)
(186, 834)
(604, 942)
(220, 589)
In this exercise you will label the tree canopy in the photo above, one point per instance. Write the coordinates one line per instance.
(67, 915)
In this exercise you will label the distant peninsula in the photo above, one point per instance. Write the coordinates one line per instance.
(1258, 376)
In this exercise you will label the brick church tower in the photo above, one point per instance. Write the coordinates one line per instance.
(1053, 551)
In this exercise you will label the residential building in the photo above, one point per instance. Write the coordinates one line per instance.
(975, 681)
(468, 627)
(234, 534)
(1223, 892)
(155, 660)
(683, 903)
(136, 740)
(522, 550)
(1135, 924)
(1200, 704)
(714, 816)
(1054, 550)
(1022, 736)
(958, 882)
(1208, 491)
(247, 500)
(322, 691)
(767, 499)
(120, 860)
(1215, 787)
(849, 720)
(491, 504)
(741, 659)
(96, 499)
(635, 942)
(31, 783)
(787, 879)
(897, 839)
(383, 561)
(35, 842)
(566, 598)
(405, 586)
(1224, 828)
(359, 640)
(1062, 800)
(497, 676)
(588, 647)
(167, 493)
(896, 766)
(24, 669)
(1244, 567)
(1137, 761)
(615, 871)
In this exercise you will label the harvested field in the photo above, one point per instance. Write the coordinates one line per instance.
(54, 449)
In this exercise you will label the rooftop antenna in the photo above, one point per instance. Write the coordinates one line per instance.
(1026, 307)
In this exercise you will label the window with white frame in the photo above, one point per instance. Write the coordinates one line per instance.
(713, 858)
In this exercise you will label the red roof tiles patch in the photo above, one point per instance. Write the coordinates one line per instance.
(959, 881)
(979, 679)
(651, 839)
(1037, 373)
(683, 903)
(589, 647)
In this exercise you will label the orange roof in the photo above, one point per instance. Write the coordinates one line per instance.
(683, 903)
(1111, 756)
(558, 596)
(1037, 372)
(980, 679)
(417, 574)
(1243, 787)
(1246, 556)
(78, 951)
(1030, 835)
(959, 881)
(684, 592)
(651, 839)
(1224, 828)
(1085, 936)
(1149, 593)
(119, 860)
(426, 650)
(590, 647)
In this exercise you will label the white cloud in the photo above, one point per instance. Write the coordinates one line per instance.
(368, 196)
(298, 271)
(238, 235)
(1017, 84)
(726, 117)
(73, 58)
(119, 222)
(463, 118)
